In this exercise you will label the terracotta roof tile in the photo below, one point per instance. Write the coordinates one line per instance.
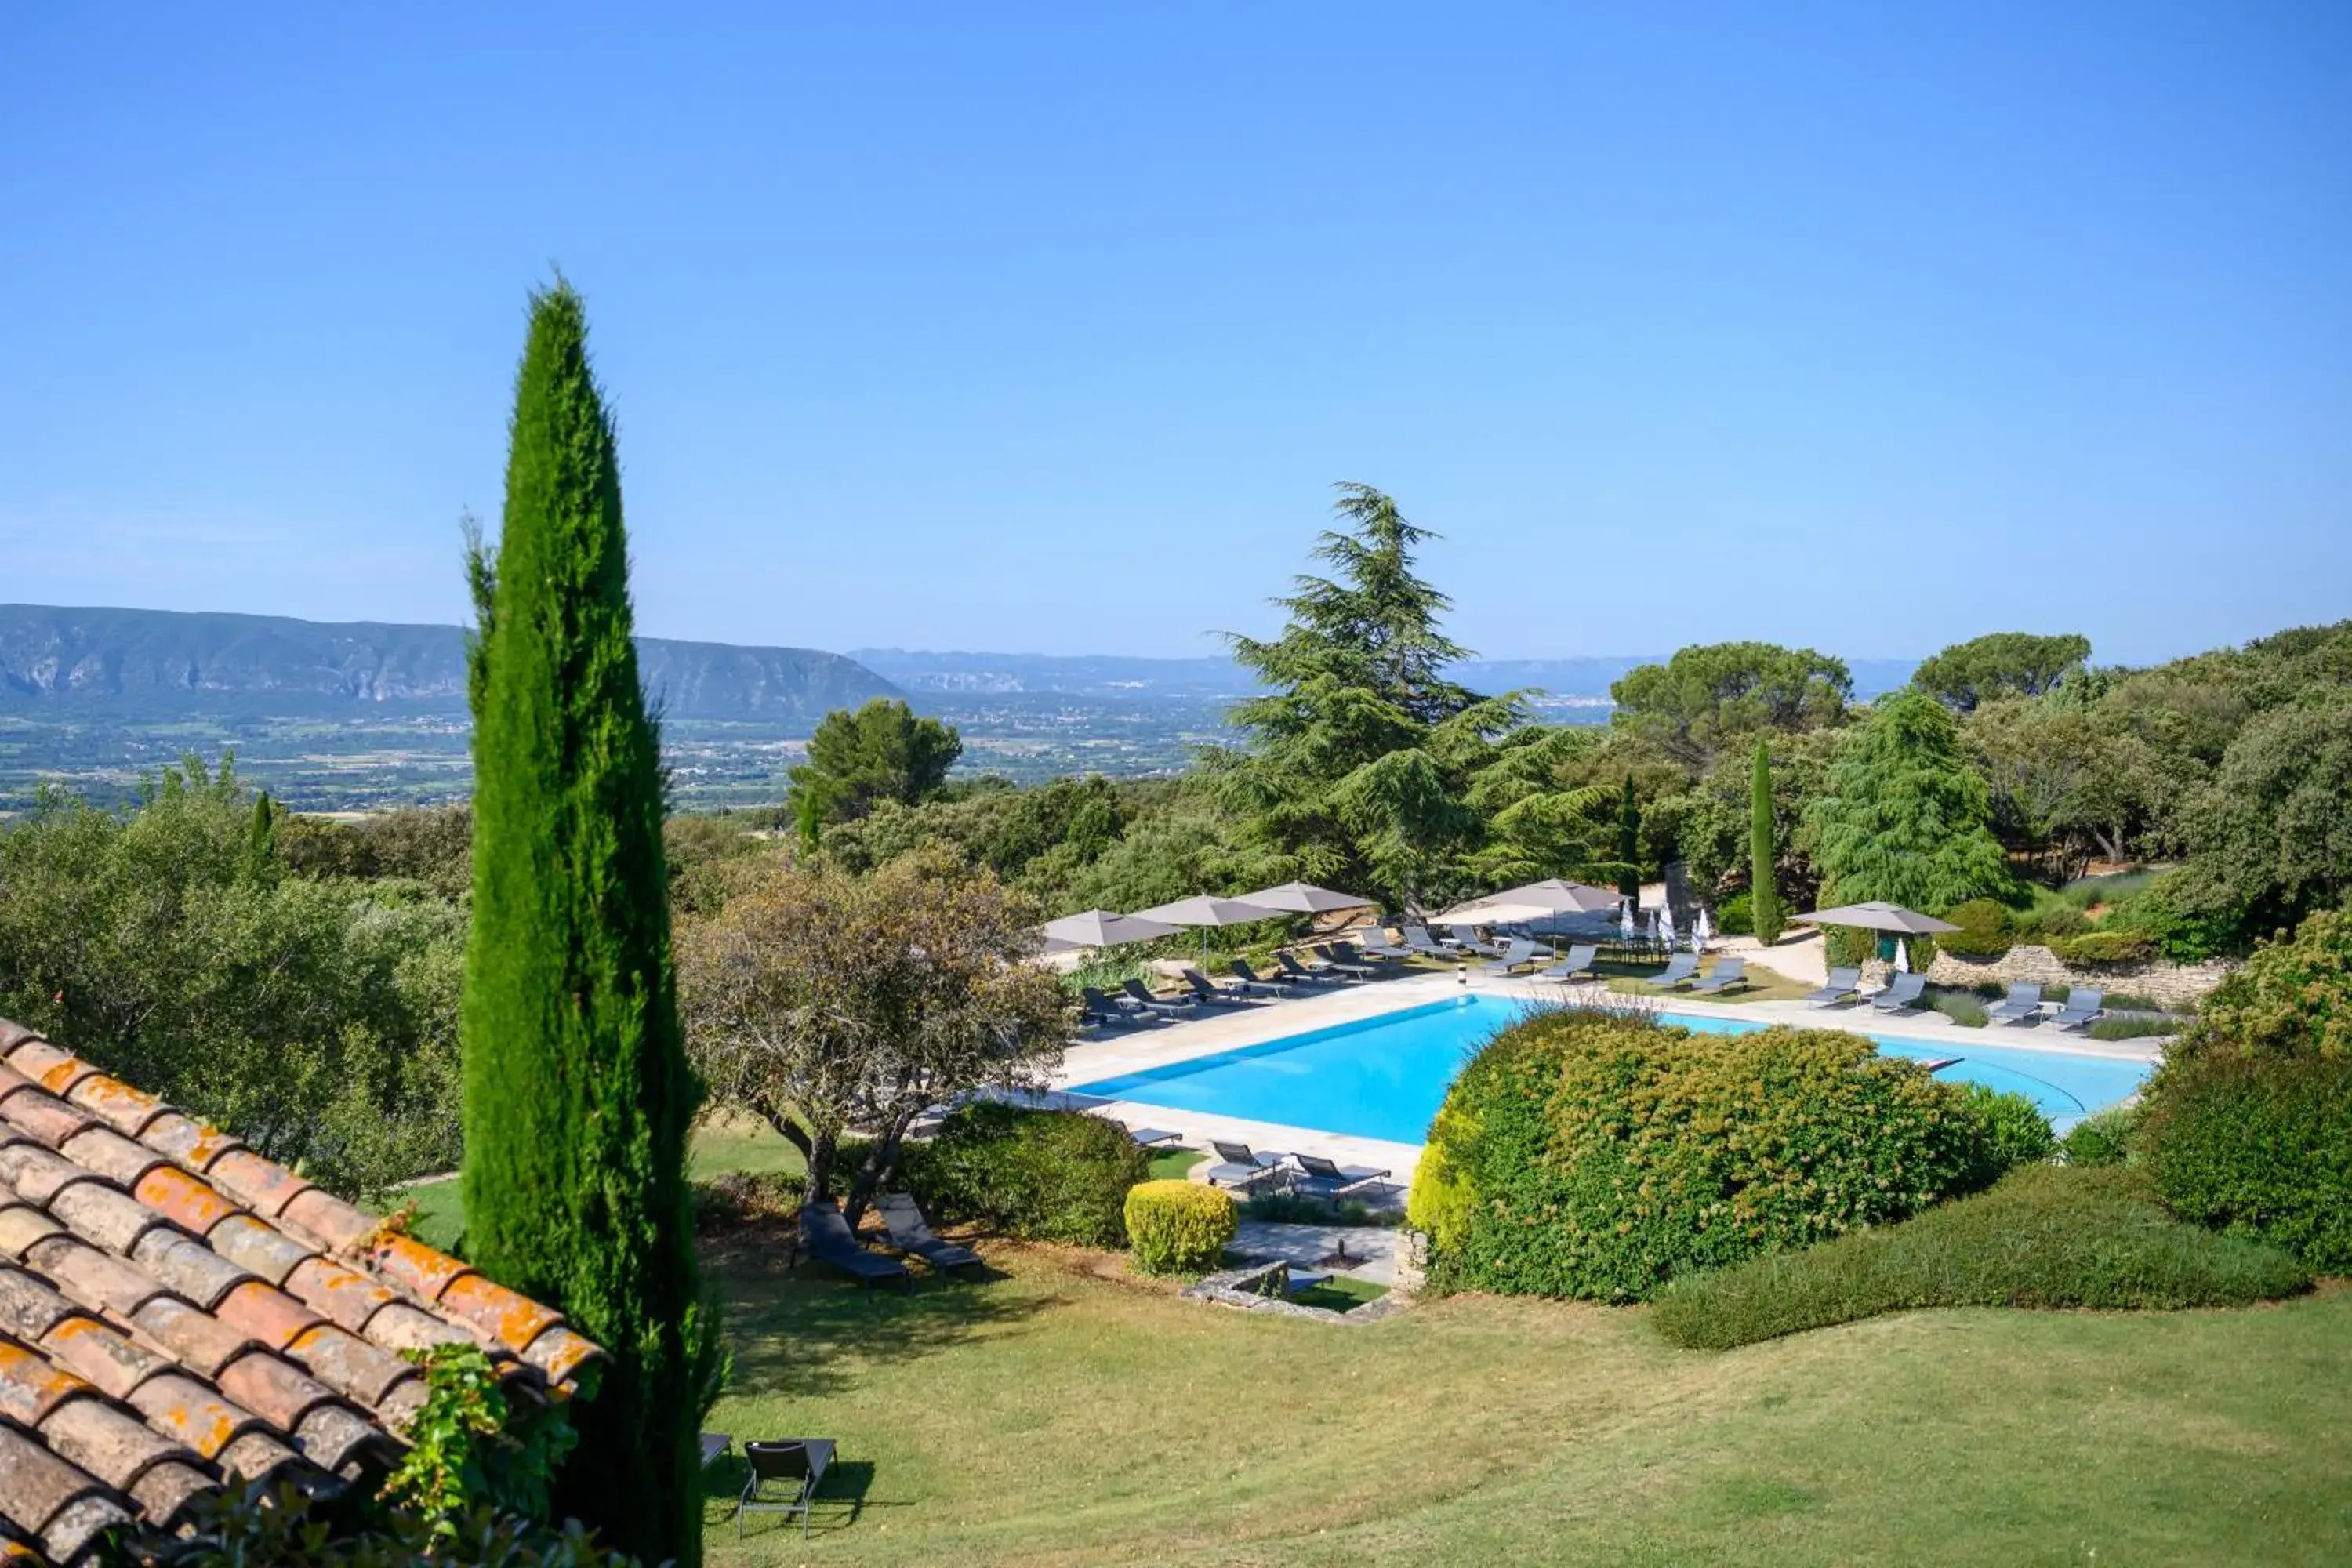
(178, 1313)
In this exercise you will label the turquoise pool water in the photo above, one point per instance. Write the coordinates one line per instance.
(1384, 1078)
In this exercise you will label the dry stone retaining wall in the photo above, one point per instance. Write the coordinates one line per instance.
(2181, 985)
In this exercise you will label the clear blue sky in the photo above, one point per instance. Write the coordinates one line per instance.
(1871, 326)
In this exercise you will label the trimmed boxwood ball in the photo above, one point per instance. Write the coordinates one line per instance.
(1179, 1227)
(1597, 1156)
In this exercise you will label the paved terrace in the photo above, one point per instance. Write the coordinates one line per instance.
(1225, 1029)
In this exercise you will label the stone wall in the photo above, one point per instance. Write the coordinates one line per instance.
(2178, 985)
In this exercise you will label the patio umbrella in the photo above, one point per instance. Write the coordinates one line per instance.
(1559, 897)
(1701, 933)
(1877, 916)
(1494, 912)
(1100, 928)
(1204, 912)
(1306, 899)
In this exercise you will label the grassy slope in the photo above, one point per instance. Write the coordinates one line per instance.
(1056, 1415)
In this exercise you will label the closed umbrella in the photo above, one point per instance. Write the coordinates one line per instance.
(1666, 927)
(1205, 912)
(1101, 928)
(1902, 956)
(1628, 926)
(1701, 933)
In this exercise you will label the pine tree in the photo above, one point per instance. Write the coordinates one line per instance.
(1629, 842)
(1763, 854)
(577, 1092)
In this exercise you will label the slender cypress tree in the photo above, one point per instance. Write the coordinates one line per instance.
(261, 840)
(1763, 892)
(577, 1092)
(1629, 842)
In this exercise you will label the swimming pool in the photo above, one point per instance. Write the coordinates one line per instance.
(1384, 1078)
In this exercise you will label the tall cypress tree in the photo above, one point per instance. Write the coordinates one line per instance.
(1763, 854)
(577, 1091)
(1629, 842)
(261, 840)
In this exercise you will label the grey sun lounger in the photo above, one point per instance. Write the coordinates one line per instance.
(2081, 1009)
(903, 1222)
(1216, 995)
(1729, 972)
(1341, 959)
(2021, 1005)
(1520, 951)
(1379, 946)
(795, 1466)
(1112, 1010)
(1293, 970)
(1845, 985)
(826, 1237)
(1679, 969)
(1241, 1166)
(1417, 941)
(1135, 993)
(1322, 1178)
(1153, 1137)
(1902, 994)
(1577, 966)
(1251, 984)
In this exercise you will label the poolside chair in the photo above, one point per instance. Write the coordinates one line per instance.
(1292, 969)
(1680, 968)
(1729, 972)
(826, 1237)
(1241, 1166)
(1153, 1137)
(794, 1467)
(1321, 1178)
(1378, 946)
(1902, 994)
(1104, 1009)
(1253, 985)
(2021, 1005)
(1843, 986)
(1518, 951)
(1417, 941)
(1577, 966)
(1135, 993)
(1343, 960)
(2081, 1009)
(903, 1222)
(1216, 995)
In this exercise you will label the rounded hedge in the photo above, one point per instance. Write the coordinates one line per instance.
(1180, 1227)
(2249, 1121)
(1597, 1155)
(1987, 929)
(1042, 1175)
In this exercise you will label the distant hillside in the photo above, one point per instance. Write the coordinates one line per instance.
(154, 661)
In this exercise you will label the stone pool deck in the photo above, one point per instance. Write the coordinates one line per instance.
(1219, 1029)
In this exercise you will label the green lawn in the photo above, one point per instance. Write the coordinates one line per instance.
(1061, 1413)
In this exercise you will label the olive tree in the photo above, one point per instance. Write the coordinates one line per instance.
(821, 1002)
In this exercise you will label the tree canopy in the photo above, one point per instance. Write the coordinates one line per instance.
(878, 752)
(1707, 697)
(1904, 818)
(1969, 673)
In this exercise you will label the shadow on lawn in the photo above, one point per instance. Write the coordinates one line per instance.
(798, 1334)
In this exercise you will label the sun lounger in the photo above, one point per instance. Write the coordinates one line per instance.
(826, 1237)
(1378, 946)
(1254, 986)
(2081, 1009)
(1152, 1137)
(1322, 1178)
(1902, 994)
(795, 1467)
(1729, 972)
(1340, 959)
(1417, 938)
(1104, 1009)
(1679, 969)
(1135, 993)
(1293, 970)
(1518, 951)
(1843, 985)
(1241, 1166)
(1577, 966)
(2021, 1005)
(903, 1222)
(1210, 992)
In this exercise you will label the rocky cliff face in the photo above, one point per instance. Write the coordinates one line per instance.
(159, 660)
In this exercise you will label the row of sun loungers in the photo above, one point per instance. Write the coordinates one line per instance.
(825, 1236)
(1310, 1175)
(2022, 1005)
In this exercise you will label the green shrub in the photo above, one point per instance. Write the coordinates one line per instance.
(1960, 1007)
(2171, 914)
(2104, 947)
(1043, 1175)
(2134, 1027)
(735, 1198)
(2048, 1236)
(1736, 916)
(2249, 1121)
(1986, 929)
(1587, 1154)
(1179, 1228)
(2051, 919)
(2016, 1132)
(2103, 1139)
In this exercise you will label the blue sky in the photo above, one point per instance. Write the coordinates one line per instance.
(1046, 329)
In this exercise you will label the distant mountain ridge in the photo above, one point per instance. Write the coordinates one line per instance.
(119, 660)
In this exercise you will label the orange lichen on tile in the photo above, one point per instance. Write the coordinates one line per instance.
(560, 1353)
(45, 1116)
(408, 1262)
(184, 1408)
(344, 1294)
(31, 1385)
(100, 1352)
(180, 1197)
(516, 1320)
(188, 1141)
(116, 1103)
(329, 1218)
(38, 1059)
(266, 1312)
